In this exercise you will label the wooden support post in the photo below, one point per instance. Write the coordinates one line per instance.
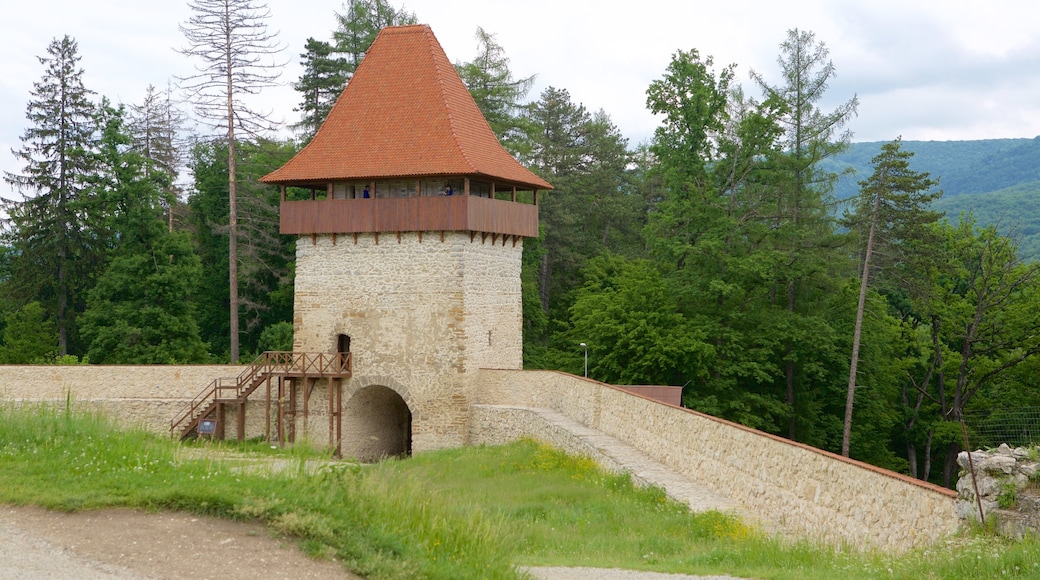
(465, 186)
(281, 411)
(283, 193)
(219, 435)
(306, 404)
(240, 427)
(292, 411)
(339, 419)
(267, 410)
(332, 413)
(328, 191)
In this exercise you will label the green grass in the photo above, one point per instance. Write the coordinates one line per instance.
(463, 513)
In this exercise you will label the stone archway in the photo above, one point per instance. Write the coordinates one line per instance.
(377, 423)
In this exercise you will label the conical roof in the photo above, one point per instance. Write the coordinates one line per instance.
(405, 113)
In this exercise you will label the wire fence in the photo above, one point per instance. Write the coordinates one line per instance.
(1019, 427)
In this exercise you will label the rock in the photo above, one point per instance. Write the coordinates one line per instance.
(1028, 468)
(976, 457)
(988, 485)
(998, 463)
(966, 510)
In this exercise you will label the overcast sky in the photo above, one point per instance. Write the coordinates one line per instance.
(923, 69)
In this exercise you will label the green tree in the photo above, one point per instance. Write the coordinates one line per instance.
(266, 275)
(804, 216)
(231, 40)
(29, 337)
(328, 67)
(593, 208)
(357, 28)
(891, 208)
(323, 79)
(627, 315)
(496, 92)
(54, 252)
(692, 99)
(705, 231)
(141, 312)
(984, 312)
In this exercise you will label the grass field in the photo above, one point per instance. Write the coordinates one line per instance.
(464, 513)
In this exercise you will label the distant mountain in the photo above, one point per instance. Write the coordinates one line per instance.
(961, 166)
(998, 180)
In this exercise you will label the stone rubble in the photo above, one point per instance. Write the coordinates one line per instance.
(999, 472)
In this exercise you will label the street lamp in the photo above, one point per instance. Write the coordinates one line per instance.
(585, 347)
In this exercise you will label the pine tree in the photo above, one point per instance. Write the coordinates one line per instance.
(495, 91)
(891, 209)
(328, 67)
(804, 217)
(324, 77)
(154, 126)
(358, 26)
(55, 254)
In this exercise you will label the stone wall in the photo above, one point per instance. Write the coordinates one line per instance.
(804, 490)
(422, 311)
(145, 396)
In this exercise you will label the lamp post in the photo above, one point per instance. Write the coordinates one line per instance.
(585, 348)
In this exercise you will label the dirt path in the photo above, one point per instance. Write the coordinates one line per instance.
(127, 544)
(123, 544)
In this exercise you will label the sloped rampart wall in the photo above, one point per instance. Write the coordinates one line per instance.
(803, 490)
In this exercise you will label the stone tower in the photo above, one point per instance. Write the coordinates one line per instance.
(411, 218)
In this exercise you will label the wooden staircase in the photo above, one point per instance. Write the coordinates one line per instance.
(235, 391)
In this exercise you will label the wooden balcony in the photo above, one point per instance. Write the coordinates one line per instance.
(410, 214)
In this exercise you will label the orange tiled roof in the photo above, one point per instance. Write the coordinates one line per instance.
(405, 113)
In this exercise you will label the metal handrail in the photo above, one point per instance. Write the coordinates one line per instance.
(268, 363)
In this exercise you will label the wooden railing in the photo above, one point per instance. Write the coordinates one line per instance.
(413, 214)
(268, 364)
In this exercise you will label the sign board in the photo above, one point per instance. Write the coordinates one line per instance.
(207, 426)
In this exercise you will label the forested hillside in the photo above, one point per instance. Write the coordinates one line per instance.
(997, 180)
(711, 257)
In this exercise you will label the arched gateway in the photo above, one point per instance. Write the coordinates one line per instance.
(411, 218)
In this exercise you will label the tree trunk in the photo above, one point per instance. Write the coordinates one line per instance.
(850, 395)
(950, 465)
(928, 457)
(232, 217)
(911, 457)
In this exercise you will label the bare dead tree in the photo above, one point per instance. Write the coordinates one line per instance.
(155, 126)
(237, 56)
